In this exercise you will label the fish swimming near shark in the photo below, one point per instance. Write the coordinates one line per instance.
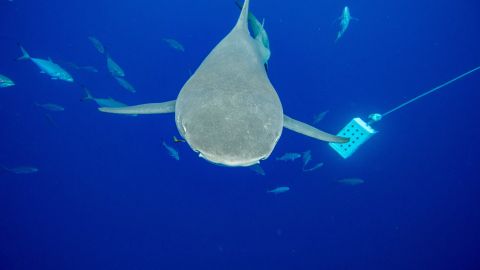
(228, 110)
(20, 169)
(114, 68)
(258, 169)
(5, 81)
(306, 157)
(103, 102)
(48, 67)
(51, 107)
(125, 84)
(279, 190)
(289, 157)
(319, 117)
(351, 181)
(174, 44)
(177, 140)
(344, 19)
(171, 151)
(313, 168)
(97, 44)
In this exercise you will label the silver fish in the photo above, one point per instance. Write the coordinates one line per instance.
(289, 157)
(125, 84)
(97, 44)
(104, 102)
(171, 151)
(114, 68)
(20, 169)
(319, 117)
(345, 19)
(351, 181)
(306, 156)
(258, 169)
(48, 67)
(315, 167)
(279, 190)
(51, 107)
(174, 44)
(5, 81)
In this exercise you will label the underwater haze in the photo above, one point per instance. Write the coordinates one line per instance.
(82, 189)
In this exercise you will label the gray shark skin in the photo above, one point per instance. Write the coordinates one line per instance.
(228, 111)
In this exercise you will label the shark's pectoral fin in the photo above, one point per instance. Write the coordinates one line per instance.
(310, 131)
(149, 108)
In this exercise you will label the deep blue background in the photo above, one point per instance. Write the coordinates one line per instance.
(108, 196)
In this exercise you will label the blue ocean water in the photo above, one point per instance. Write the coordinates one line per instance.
(108, 196)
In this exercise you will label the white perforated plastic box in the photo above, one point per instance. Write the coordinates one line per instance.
(358, 132)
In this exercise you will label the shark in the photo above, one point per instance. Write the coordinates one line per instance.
(228, 111)
(259, 34)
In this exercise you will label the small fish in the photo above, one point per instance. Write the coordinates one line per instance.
(125, 84)
(103, 102)
(50, 120)
(279, 190)
(5, 81)
(258, 169)
(97, 44)
(114, 68)
(48, 67)
(177, 140)
(171, 151)
(306, 156)
(174, 44)
(289, 157)
(319, 117)
(20, 169)
(51, 107)
(317, 166)
(344, 19)
(351, 181)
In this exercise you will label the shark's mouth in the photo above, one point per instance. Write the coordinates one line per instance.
(228, 162)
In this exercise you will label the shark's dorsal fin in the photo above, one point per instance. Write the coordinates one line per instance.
(242, 22)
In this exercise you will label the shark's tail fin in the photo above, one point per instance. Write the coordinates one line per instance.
(25, 55)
